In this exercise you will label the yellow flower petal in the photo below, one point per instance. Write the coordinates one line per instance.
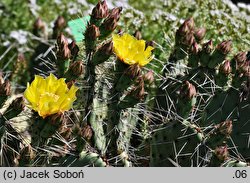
(131, 51)
(50, 95)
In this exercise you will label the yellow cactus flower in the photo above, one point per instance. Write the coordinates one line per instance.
(132, 51)
(49, 95)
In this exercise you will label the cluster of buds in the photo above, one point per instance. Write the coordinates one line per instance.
(188, 91)
(65, 53)
(187, 39)
(187, 26)
(110, 23)
(102, 23)
(185, 34)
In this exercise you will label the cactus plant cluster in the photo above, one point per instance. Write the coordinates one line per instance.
(201, 103)
(102, 103)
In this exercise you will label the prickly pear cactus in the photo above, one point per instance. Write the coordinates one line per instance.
(227, 105)
(113, 99)
(10, 140)
(217, 94)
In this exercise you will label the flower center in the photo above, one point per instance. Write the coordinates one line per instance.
(48, 94)
(47, 98)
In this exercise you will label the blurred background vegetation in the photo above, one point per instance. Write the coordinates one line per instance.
(157, 20)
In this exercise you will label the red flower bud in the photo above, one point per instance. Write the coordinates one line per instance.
(39, 27)
(188, 39)
(107, 49)
(110, 24)
(225, 47)
(137, 35)
(190, 23)
(221, 153)
(183, 29)
(5, 89)
(60, 23)
(195, 48)
(115, 12)
(62, 41)
(63, 50)
(226, 68)
(240, 59)
(245, 68)
(74, 49)
(188, 90)
(208, 47)
(100, 10)
(138, 91)
(76, 68)
(39, 24)
(133, 71)
(92, 32)
(200, 33)
(225, 127)
(87, 132)
(18, 104)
